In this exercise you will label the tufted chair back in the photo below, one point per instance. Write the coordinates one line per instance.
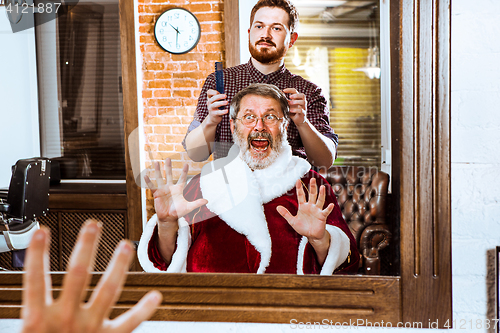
(362, 195)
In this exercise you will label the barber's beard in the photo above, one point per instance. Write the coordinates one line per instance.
(267, 56)
(259, 162)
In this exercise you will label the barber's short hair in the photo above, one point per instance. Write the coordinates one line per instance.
(264, 90)
(286, 5)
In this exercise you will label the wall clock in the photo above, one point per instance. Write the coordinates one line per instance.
(177, 30)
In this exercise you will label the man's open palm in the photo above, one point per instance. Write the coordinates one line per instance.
(310, 220)
(169, 200)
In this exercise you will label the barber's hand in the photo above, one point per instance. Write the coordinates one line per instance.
(214, 101)
(298, 106)
(41, 313)
(310, 220)
(169, 200)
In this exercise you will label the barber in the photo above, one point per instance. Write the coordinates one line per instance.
(271, 34)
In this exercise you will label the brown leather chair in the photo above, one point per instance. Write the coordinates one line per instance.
(362, 196)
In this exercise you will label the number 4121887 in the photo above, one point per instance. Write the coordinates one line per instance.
(40, 8)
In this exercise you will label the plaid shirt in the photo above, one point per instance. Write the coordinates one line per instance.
(239, 77)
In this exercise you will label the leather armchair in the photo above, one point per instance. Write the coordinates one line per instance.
(362, 195)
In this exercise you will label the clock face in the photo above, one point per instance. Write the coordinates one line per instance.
(177, 30)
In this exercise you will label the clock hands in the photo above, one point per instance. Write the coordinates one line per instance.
(177, 30)
(176, 35)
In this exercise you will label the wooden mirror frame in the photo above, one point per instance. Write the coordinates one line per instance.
(420, 52)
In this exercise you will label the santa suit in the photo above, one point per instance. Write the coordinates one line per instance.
(240, 231)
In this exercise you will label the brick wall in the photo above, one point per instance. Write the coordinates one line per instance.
(171, 83)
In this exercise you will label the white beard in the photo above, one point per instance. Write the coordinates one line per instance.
(256, 163)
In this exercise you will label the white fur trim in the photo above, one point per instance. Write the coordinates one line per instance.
(300, 257)
(178, 263)
(337, 253)
(281, 176)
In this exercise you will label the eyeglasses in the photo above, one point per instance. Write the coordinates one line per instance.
(251, 120)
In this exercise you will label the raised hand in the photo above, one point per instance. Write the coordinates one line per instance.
(170, 205)
(310, 220)
(41, 313)
(298, 106)
(169, 200)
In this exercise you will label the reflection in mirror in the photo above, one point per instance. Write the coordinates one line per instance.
(339, 50)
(81, 102)
(361, 216)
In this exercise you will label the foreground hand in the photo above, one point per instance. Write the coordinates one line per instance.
(41, 313)
(214, 101)
(298, 106)
(169, 200)
(310, 220)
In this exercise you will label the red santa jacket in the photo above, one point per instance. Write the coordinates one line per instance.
(240, 230)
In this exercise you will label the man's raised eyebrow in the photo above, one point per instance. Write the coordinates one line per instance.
(275, 23)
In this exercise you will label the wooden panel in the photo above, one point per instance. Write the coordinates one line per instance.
(245, 298)
(231, 32)
(131, 118)
(88, 201)
(425, 169)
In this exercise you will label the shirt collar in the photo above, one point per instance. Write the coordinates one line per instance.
(258, 76)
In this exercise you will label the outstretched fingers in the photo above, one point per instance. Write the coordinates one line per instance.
(286, 214)
(313, 191)
(168, 171)
(143, 310)
(321, 198)
(159, 178)
(79, 267)
(150, 184)
(183, 178)
(109, 287)
(301, 196)
(36, 279)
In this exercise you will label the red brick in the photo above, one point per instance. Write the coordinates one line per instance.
(182, 93)
(164, 75)
(147, 39)
(146, 29)
(167, 102)
(166, 147)
(146, 18)
(190, 56)
(148, 76)
(150, 112)
(200, 7)
(147, 93)
(185, 83)
(210, 27)
(213, 48)
(159, 129)
(154, 66)
(190, 66)
(162, 93)
(213, 37)
(187, 75)
(179, 129)
(173, 67)
(152, 48)
(204, 17)
(212, 57)
(165, 84)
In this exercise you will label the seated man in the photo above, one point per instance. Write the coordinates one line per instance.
(249, 213)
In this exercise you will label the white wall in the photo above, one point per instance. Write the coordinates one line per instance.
(475, 154)
(19, 133)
